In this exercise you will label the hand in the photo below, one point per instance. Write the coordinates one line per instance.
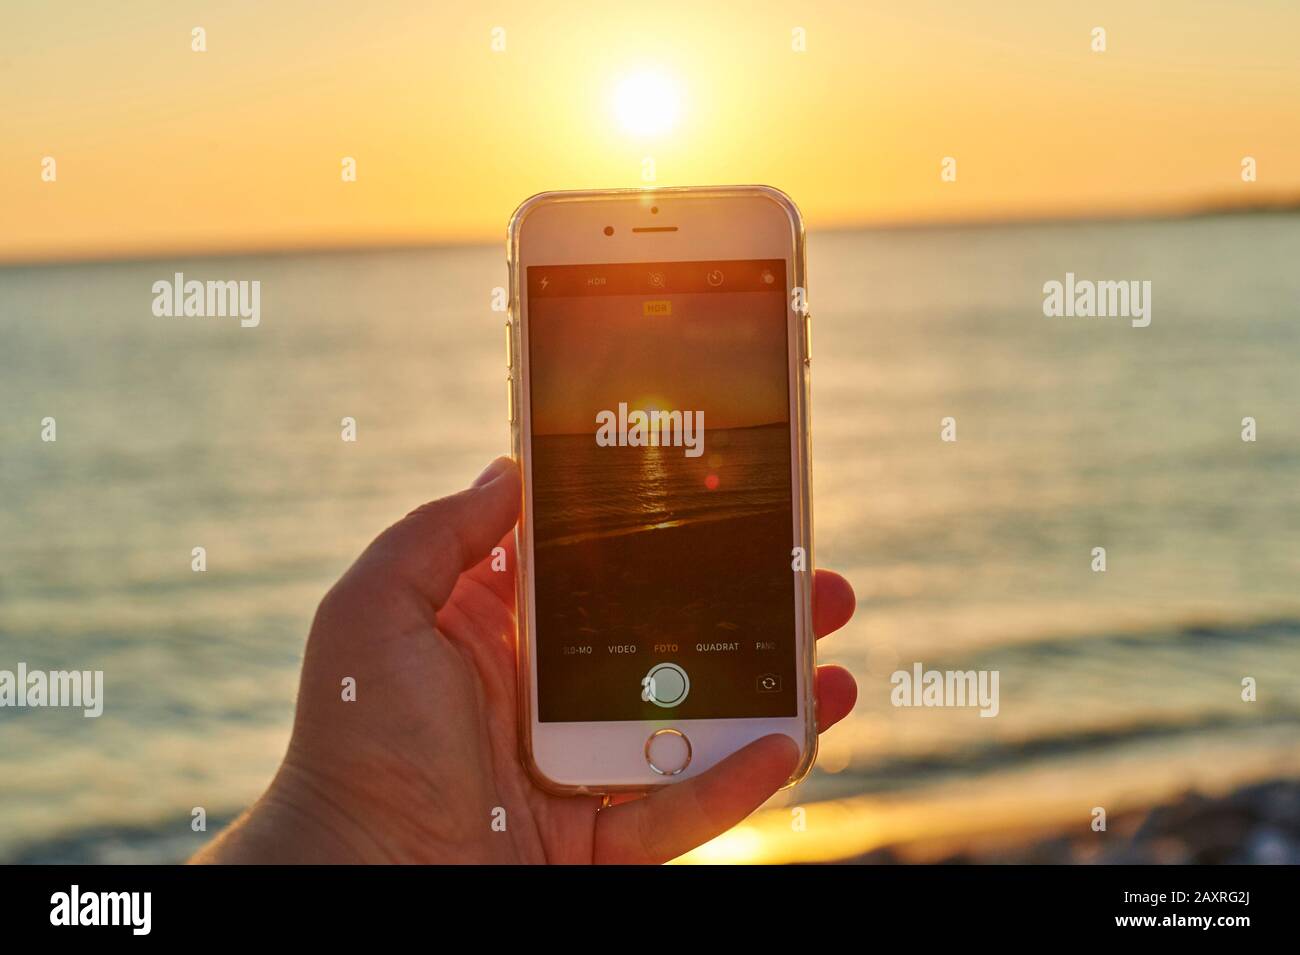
(412, 770)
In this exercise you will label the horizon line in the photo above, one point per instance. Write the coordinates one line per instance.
(1268, 204)
(730, 427)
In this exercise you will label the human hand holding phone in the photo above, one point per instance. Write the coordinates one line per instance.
(424, 765)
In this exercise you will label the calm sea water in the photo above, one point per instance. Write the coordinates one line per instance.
(582, 491)
(1072, 434)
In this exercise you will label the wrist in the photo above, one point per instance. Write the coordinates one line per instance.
(292, 823)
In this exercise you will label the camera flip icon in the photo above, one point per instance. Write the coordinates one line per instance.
(769, 683)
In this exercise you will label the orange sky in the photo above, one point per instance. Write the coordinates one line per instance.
(162, 149)
(674, 368)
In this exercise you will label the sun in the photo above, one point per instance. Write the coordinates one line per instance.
(646, 103)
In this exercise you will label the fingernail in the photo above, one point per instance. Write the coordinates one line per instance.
(492, 471)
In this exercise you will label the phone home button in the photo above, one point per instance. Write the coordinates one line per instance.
(668, 752)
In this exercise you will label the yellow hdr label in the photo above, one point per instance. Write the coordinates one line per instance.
(657, 308)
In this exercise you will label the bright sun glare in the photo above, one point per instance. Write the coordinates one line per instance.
(646, 103)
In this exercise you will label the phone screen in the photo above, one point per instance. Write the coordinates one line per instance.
(661, 491)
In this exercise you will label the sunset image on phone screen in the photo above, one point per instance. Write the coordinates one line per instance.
(662, 521)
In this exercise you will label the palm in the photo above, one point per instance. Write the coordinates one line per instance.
(421, 763)
(478, 621)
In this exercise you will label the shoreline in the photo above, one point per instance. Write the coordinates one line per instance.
(1254, 824)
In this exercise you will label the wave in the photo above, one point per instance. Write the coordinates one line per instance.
(582, 492)
(166, 842)
(906, 772)
(604, 532)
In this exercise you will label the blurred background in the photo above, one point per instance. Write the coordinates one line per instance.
(1119, 689)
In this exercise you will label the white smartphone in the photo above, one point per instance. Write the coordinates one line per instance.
(658, 350)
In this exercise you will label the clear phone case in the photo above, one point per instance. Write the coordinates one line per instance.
(800, 368)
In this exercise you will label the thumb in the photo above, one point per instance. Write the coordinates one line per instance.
(677, 818)
(425, 552)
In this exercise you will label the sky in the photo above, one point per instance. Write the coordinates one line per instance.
(160, 149)
(683, 373)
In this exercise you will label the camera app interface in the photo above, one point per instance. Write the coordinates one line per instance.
(662, 507)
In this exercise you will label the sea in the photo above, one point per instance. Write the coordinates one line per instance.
(1067, 501)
